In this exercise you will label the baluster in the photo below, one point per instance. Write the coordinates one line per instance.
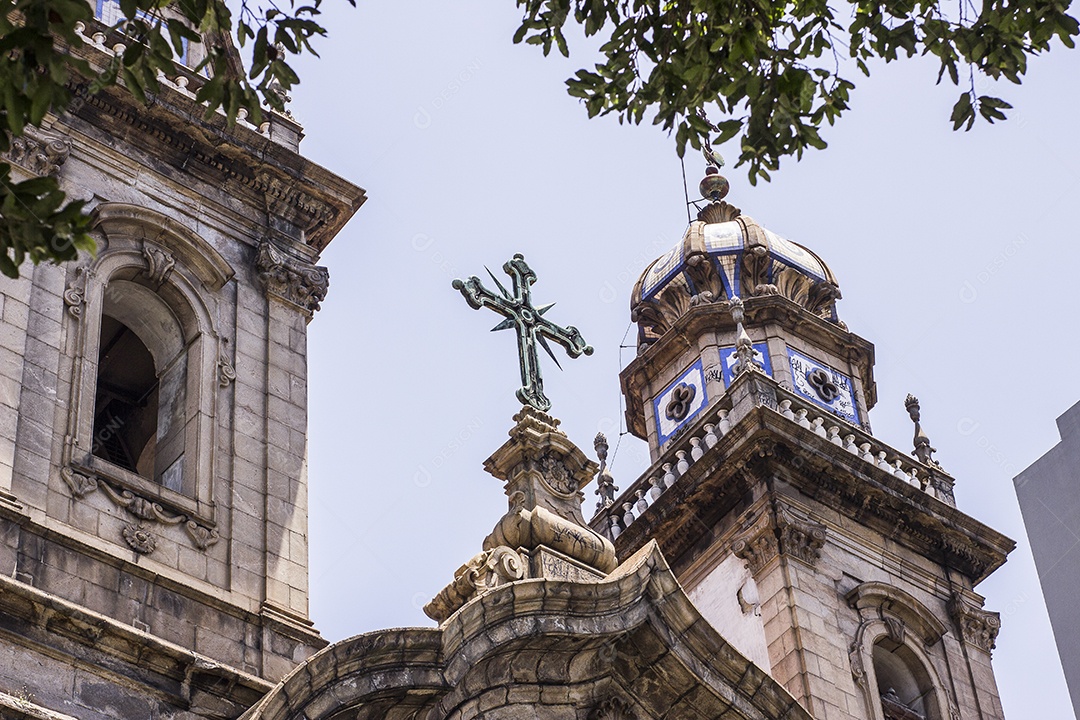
(682, 465)
(882, 462)
(849, 444)
(864, 452)
(800, 417)
(834, 436)
(657, 487)
(616, 530)
(710, 435)
(641, 505)
(916, 480)
(899, 471)
(818, 426)
(669, 476)
(628, 514)
(724, 425)
(695, 449)
(785, 409)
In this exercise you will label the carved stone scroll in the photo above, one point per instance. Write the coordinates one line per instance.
(80, 485)
(38, 152)
(485, 571)
(779, 532)
(977, 626)
(298, 282)
(138, 534)
(75, 293)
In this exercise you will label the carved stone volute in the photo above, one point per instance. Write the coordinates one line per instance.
(38, 152)
(298, 282)
(977, 626)
(778, 531)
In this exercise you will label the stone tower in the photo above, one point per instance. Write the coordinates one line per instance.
(838, 564)
(153, 411)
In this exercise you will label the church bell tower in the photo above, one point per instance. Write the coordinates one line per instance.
(838, 564)
(153, 406)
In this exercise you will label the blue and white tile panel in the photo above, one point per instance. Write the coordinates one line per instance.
(844, 405)
(694, 377)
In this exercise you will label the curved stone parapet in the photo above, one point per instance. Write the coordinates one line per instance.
(542, 648)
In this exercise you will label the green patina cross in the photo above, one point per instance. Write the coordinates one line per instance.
(532, 327)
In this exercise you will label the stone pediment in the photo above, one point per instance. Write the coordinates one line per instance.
(631, 646)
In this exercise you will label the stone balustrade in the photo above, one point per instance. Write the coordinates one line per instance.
(686, 450)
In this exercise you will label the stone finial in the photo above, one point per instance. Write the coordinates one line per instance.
(605, 484)
(543, 533)
(744, 346)
(923, 451)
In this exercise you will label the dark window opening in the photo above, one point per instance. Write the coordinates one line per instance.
(126, 404)
(903, 683)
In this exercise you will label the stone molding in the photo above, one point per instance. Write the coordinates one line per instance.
(39, 152)
(197, 679)
(977, 627)
(300, 283)
(148, 513)
(775, 532)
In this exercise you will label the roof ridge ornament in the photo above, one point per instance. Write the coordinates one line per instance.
(532, 328)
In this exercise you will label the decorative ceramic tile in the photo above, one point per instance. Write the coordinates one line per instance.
(795, 255)
(723, 237)
(728, 360)
(680, 402)
(821, 384)
(662, 270)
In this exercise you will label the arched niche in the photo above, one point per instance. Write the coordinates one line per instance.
(894, 655)
(160, 280)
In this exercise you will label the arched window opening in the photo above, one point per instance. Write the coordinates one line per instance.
(904, 686)
(126, 404)
(139, 410)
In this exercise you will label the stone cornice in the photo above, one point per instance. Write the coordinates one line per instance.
(49, 620)
(299, 195)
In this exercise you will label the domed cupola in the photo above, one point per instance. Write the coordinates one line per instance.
(732, 283)
(725, 254)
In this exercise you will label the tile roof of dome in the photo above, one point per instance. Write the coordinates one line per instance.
(725, 254)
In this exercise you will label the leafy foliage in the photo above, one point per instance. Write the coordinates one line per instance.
(41, 61)
(773, 67)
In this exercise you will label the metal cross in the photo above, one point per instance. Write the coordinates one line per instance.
(532, 327)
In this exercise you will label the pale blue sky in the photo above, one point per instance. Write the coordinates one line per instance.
(956, 254)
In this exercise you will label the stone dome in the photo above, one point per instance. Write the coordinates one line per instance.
(725, 254)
